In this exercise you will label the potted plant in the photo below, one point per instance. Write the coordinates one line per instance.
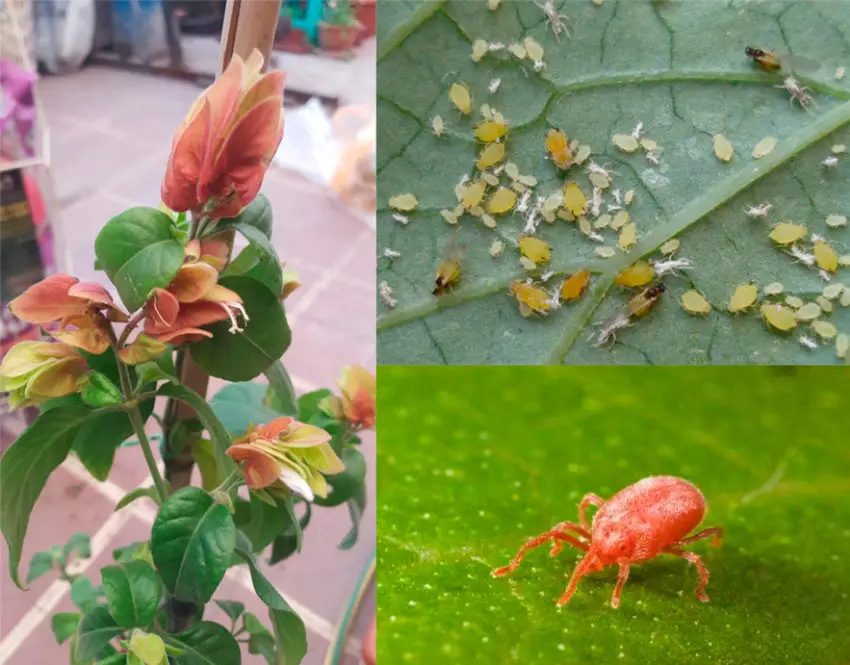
(287, 37)
(339, 29)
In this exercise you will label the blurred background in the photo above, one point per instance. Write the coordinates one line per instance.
(92, 93)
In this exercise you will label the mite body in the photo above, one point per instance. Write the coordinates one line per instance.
(651, 517)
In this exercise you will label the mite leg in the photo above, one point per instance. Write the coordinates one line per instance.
(700, 566)
(557, 532)
(587, 501)
(580, 571)
(621, 581)
(559, 540)
(715, 531)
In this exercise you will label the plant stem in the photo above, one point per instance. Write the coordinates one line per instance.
(138, 425)
(130, 327)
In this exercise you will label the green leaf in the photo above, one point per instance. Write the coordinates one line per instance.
(96, 629)
(263, 645)
(262, 522)
(231, 608)
(203, 453)
(160, 368)
(138, 493)
(205, 643)
(254, 626)
(766, 446)
(147, 649)
(289, 542)
(78, 544)
(289, 631)
(260, 263)
(41, 563)
(25, 467)
(85, 594)
(64, 624)
(239, 405)
(258, 215)
(186, 432)
(98, 390)
(139, 251)
(281, 396)
(677, 67)
(356, 506)
(133, 592)
(345, 485)
(243, 356)
(218, 434)
(308, 405)
(192, 541)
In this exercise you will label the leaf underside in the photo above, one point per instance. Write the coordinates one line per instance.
(677, 67)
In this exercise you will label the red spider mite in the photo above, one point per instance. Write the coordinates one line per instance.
(651, 517)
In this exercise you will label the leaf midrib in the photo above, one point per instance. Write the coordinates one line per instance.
(184, 558)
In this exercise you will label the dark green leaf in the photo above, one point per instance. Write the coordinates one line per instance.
(85, 594)
(41, 563)
(25, 468)
(356, 506)
(203, 453)
(308, 405)
(98, 390)
(131, 552)
(258, 214)
(267, 269)
(254, 626)
(80, 544)
(185, 433)
(239, 405)
(245, 355)
(133, 592)
(345, 485)
(289, 631)
(205, 643)
(281, 396)
(160, 368)
(265, 522)
(96, 629)
(192, 541)
(289, 542)
(139, 251)
(64, 624)
(138, 493)
(263, 645)
(231, 608)
(218, 434)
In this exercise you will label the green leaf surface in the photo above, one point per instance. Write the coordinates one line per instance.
(239, 405)
(64, 624)
(463, 488)
(139, 251)
(79, 545)
(356, 505)
(289, 542)
(347, 484)
(245, 355)
(133, 592)
(25, 467)
(203, 452)
(677, 67)
(205, 643)
(192, 541)
(231, 608)
(96, 629)
(41, 563)
(138, 493)
(290, 633)
(281, 396)
(257, 215)
(262, 261)
(262, 522)
(84, 594)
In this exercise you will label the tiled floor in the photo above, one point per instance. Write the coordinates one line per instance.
(111, 132)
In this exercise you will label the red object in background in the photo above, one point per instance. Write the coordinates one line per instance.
(370, 644)
(367, 15)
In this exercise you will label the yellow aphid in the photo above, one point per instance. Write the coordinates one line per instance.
(574, 199)
(825, 256)
(460, 97)
(490, 131)
(552, 202)
(527, 263)
(640, 274)
(605, 252)
(479, 50)
(621, 218)
(794, 301)
(833, 291)
(493, 5)
(491, 155)
(496, 248)
(473, 194)
(582, 154)
(490, 179)
(575, 285)
(527, 180)
(558, 147)
(695, 303)
(531, 298)
(773, 289)
(600, 180)
(744, 297)
(404, 202)
(448, 272)
(779, 317)
(535, 249)
(603, 221)
(670, 247)
(625, 142)
(628, 236)
(476, 211)
(842, 345)
(518, 50)
(502, 201)
(836, 221)
(642, 303)
(488, 221)
(486, 112)
(648, 144)
(764, 147)
(825, 304)
(809, 312)
(512, 170)
(786, 233)
(533, 49)
(723, 150)
(628, 197)
(449, 216)
(844, 260)
(584, 225)
(844, 301)
(437, 125)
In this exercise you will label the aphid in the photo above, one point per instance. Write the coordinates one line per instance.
(473, 194)
(798, 92)
(833, 291)
(535, 249)
(628, 197)
(794, 301)
(743, 298)
(779, 317)
(824, 304)
(764, 147)
(531, 298)
(839, 149)
(694, 302)
(786, 233)
(449, 216)
(639, 274)
(493, 5)
(758, 211)
(490, 131)
(648, 144)
(460, 97)
(808, 312)
(651, 517)
(535, 53)
(496, 248)
(502, 200)
(773, 289)
(517, 50)
(670, 247)
(491, 155)
(844, 260)
(437, 125)
(842, 345)
(619, 220)
(625, 142)
(582, 154)
(574, 286)
(401, 219)
(527, 263)
(836, 221)
(830, 162)
(386, 294)
(771, 61)
(825, 330)
(825, 256)
(448, 272)
(603, 221)
(494, 86)
(808, 342)
(628, 236)
(574, 199)
(723, 149)
(839, 73)
(556, 21)
(643, 302)
(558, 147)
(490, 179)
(404, 202)
(479, 50)
(605, 252)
